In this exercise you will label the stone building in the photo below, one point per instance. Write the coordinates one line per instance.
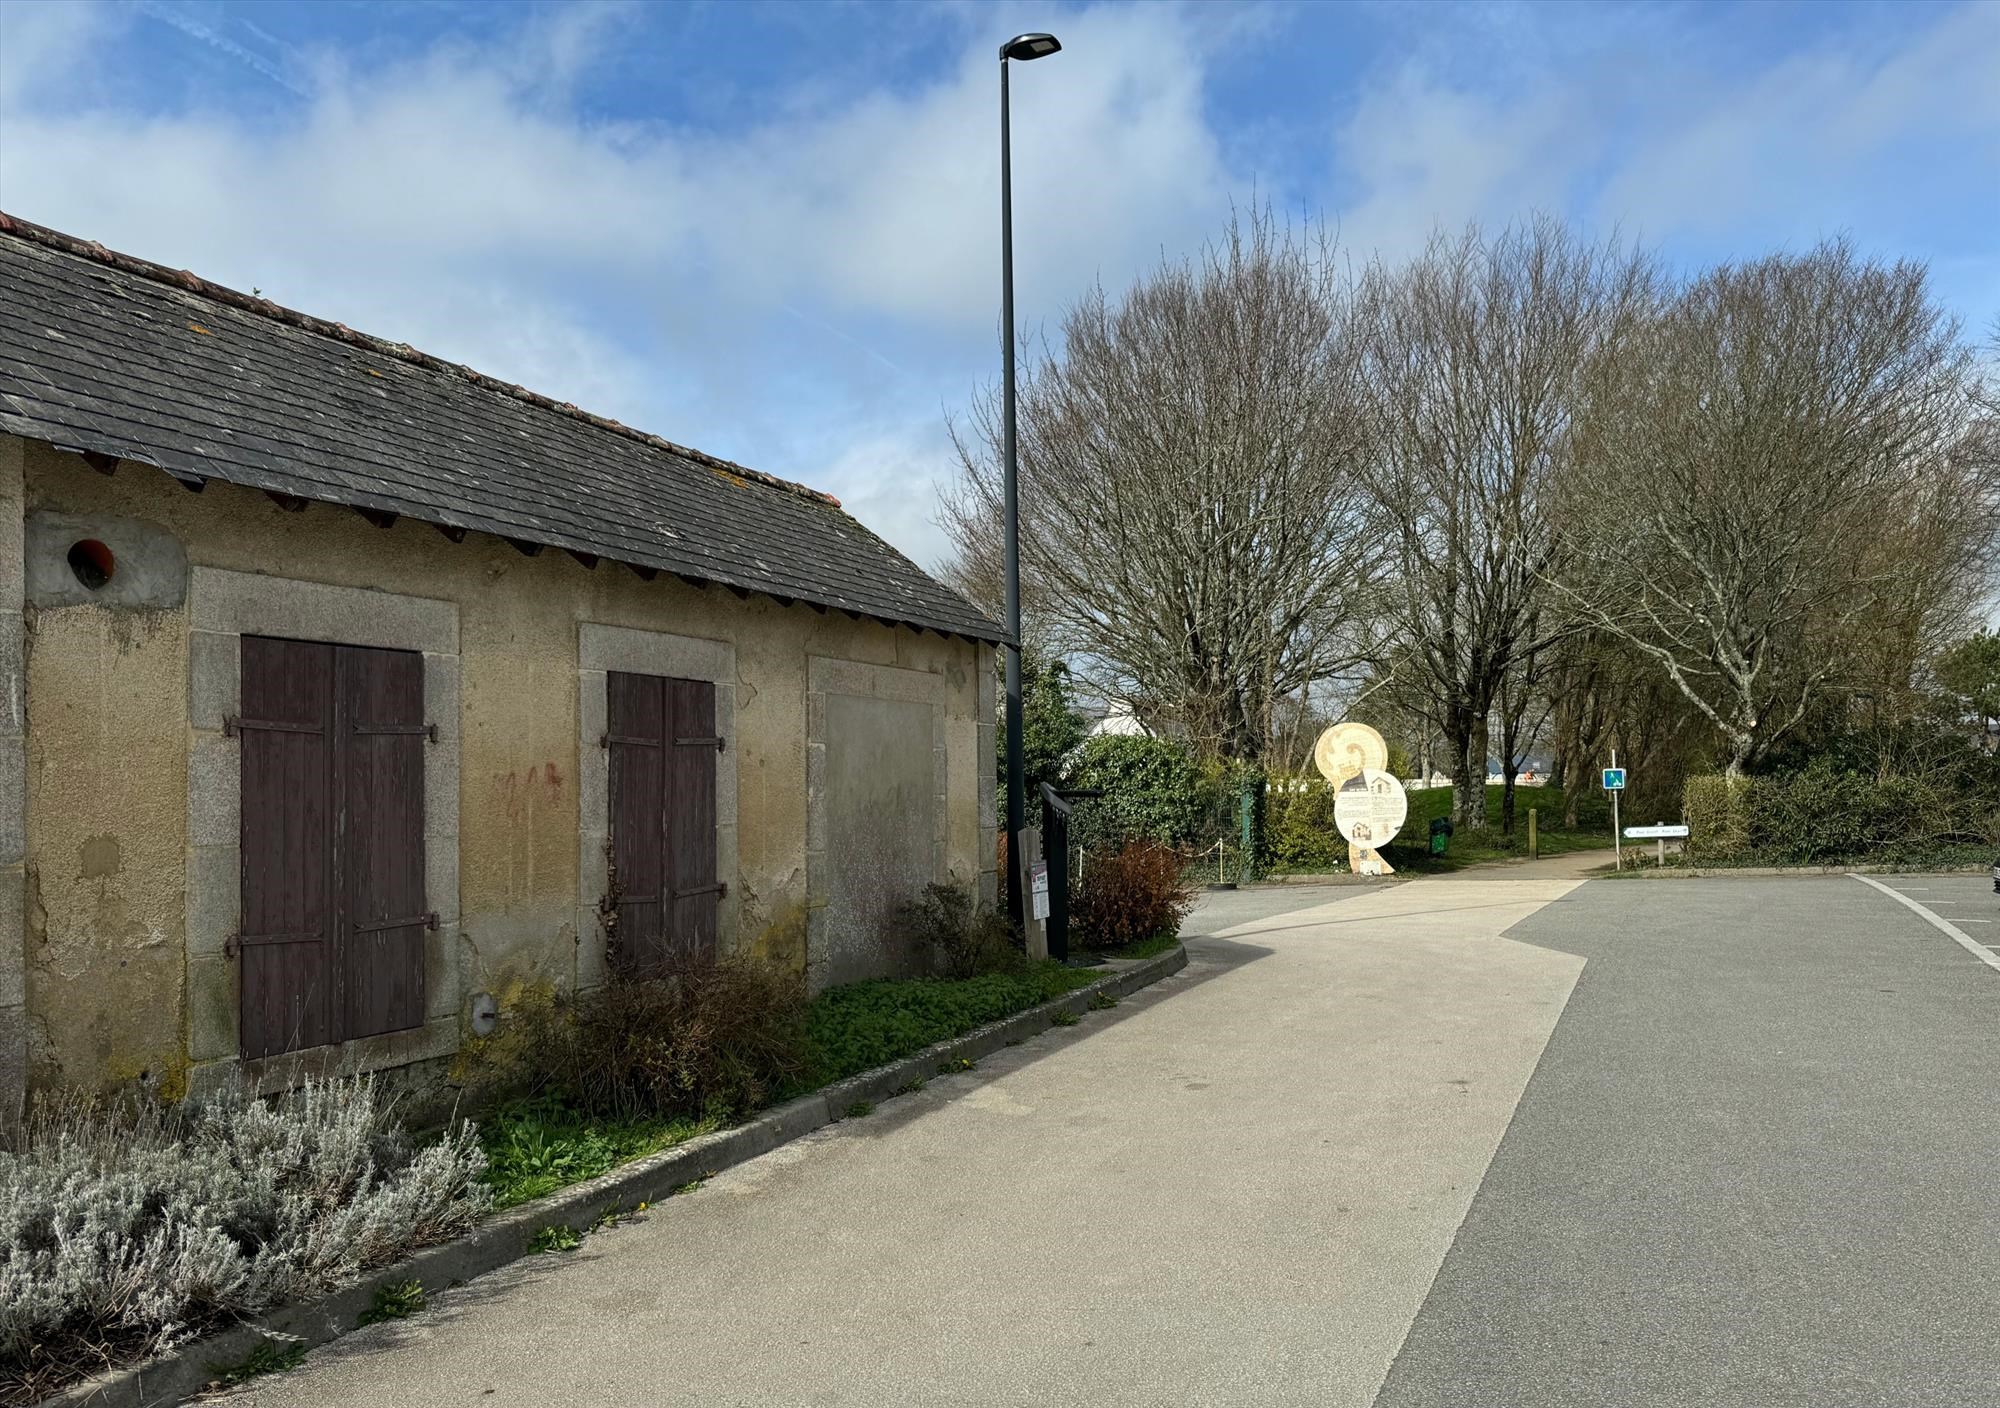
(346, 689)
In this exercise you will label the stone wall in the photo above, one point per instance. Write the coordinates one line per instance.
(127, 856)
(13, 789)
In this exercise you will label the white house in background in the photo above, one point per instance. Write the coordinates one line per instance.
(1118, 721)
(1534, 772)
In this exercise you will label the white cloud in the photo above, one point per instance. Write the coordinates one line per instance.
(889, 476)
(1427, 155)
(806, 283)
(1828, 131)
(1675, 136)
(44, 43)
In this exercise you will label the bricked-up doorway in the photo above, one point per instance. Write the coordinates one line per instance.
(665, 894)
(333, 909)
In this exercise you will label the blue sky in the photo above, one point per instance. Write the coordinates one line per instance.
(768, 230)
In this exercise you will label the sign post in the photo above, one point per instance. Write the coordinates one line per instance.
(1033, 873)
(1614, 783)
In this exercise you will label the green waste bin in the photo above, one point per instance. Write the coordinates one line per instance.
(1440, 835)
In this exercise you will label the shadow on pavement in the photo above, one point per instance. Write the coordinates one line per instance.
(1208, 959)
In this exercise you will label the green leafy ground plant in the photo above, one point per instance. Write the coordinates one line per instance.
(396, 1301)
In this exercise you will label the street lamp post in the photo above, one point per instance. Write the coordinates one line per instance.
(1023, 47)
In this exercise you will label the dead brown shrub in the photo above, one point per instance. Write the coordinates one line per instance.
(1132, 894)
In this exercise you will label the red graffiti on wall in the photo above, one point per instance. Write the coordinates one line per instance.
(519, 794)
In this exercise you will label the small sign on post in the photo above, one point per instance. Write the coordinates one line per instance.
(1034, 873)
(1614, 779)
(1660, 834)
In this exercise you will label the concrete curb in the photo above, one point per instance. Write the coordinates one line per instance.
(507, 1236)
(1756, 871)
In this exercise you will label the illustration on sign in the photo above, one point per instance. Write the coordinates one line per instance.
(1038, 889)
(1614, 779)
(1369, 807)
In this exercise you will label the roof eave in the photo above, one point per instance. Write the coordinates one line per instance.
(96, 447)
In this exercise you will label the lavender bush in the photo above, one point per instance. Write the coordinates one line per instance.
(124, 1232)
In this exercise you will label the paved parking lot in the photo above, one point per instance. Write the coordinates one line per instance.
(1755, 1166)
(1964, 903)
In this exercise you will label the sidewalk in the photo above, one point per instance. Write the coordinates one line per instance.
(1234, 1188)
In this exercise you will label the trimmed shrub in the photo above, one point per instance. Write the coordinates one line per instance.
(125, 1231)
(1131, 894)
(962, 937)
(1713, 809)
(1153, 791)
(1302, 834)
(711, 1039)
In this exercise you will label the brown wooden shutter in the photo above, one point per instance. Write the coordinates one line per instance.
(332, 844)
(663, 744)
(636, 718)
(381, 791)
(690, 820)
(286, 975)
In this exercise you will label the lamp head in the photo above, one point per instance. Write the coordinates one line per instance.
(1029, 46)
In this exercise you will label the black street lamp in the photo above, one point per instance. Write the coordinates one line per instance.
(1022, 47)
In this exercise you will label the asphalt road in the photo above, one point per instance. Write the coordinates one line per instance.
(1501, 1139)
(1758, 1164)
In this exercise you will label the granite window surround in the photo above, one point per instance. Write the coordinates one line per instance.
(602, 649)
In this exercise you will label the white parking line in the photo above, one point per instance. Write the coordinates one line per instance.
(1936, 921)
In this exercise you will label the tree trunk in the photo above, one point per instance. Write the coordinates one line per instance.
(1742, 745)
(1468, 791)
(1510, 767)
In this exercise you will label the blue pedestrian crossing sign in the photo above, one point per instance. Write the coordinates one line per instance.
(1614, 779)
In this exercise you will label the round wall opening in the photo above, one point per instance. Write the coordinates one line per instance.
(92, 563)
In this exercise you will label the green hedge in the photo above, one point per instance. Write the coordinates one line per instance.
(1823, 815)
(1153, 791)
(1300, 827)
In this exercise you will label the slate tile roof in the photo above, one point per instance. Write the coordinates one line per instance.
(104, 353)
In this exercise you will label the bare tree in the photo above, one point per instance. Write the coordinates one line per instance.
(1524, 707)
(1781, 465)
(1192, 530)
(1476, 358)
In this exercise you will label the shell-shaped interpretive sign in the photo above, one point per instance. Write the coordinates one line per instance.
(1370, 808)
(1347, 749)
(1354, 758)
